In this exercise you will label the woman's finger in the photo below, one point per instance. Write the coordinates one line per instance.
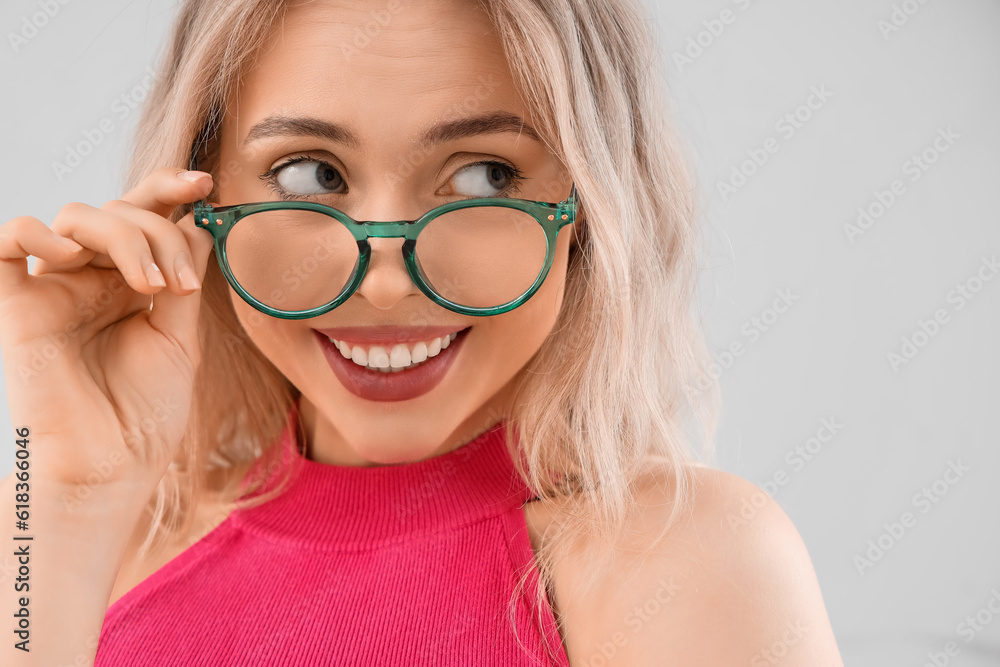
(120, 239)
(168, 243)
(26, 236)
(165, 189)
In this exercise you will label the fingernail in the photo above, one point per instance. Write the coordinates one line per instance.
(188, 278)
(155, 276)
(193, 176)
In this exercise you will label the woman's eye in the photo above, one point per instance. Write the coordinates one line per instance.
(485, 179)
(308, 177)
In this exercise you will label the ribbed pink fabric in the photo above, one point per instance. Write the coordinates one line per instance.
(409, 564)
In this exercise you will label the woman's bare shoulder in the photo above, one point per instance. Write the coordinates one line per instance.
(730, 584)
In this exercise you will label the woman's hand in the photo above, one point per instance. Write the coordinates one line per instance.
(102, 381)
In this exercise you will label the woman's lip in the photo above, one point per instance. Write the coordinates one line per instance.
(388, 335)
(404, 385)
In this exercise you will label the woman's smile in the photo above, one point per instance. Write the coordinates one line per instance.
(372, 375)
(390, 363)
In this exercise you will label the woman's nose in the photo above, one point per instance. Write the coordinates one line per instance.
(386, 281)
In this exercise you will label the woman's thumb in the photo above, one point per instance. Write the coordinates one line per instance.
(177, 315)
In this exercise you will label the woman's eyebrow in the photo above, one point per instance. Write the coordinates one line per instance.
(491, 123)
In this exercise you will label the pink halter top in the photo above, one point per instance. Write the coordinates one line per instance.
(411, 564)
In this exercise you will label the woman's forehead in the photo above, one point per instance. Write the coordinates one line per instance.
(397, 64)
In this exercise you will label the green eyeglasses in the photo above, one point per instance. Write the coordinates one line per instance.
(298, 259)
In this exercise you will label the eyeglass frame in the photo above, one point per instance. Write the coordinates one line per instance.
(220, 220)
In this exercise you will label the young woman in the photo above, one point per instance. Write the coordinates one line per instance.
(429, 400)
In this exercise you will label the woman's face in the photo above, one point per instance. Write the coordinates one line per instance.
(374, 78)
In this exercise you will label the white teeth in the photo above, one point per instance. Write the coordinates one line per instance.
(359, 356)
(400, 357)
(377, 358)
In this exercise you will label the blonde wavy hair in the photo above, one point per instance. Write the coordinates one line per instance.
(609, 398)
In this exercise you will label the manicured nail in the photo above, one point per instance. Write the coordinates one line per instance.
(154, 275)
(188, 278)
(193, 176)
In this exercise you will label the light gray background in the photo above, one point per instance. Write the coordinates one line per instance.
(826, 356)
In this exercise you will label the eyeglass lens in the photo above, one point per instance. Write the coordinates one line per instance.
(478, 257)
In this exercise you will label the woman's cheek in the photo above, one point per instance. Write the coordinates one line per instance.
(264, 331)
